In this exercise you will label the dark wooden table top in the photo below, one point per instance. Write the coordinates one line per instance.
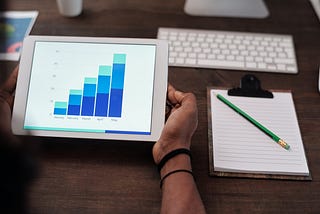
(89, 176)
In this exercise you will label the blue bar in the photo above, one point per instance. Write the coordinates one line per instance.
(60, 108)
(73, 109)
(115, 103)
(74, 104)
(126, 132)
(60, 111)
(87, 106)
(117, 84)
(89, 93)
(102, 105)
(103, 90)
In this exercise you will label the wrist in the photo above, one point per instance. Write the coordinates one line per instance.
(165, 146)
(181, 161)
(172, 154)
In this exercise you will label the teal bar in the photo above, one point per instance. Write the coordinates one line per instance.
(75, 92)
(104, 70)
(61, 104)
(90, 80)
(62, 129)
(119, 58)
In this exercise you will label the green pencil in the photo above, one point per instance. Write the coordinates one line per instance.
(254, 122)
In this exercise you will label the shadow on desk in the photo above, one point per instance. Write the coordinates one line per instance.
(90, 150)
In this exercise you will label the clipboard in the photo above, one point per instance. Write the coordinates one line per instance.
(250, 87)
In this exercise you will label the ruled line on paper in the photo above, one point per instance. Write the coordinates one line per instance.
(240, 146)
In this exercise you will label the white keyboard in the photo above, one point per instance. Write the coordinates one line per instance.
(230, 50)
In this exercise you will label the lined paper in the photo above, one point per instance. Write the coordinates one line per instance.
(239, 146)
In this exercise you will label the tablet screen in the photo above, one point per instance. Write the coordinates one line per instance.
(91, 87)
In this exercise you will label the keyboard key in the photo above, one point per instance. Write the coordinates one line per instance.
(262, 65)
(284, 61)
(171, 60)
(192, 55)
(281, 66)
(180, 60)
(191, 61)
(251, 65)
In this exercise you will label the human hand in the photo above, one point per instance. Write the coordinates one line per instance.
(8, 88)
(180, 125)
(6, 101)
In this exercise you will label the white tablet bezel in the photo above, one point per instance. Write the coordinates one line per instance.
(159, 90)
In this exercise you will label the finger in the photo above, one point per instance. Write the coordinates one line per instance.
(10, 85)
(171, 94)
(185, 98)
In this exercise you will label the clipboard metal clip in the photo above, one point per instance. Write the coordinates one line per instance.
(250, 87)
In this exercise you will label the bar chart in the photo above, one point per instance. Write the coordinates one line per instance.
(91, 87)
(100, 96)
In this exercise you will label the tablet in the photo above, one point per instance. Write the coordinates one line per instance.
(86, 87)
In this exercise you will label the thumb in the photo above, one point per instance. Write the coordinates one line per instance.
(185, 98)
(179, 96)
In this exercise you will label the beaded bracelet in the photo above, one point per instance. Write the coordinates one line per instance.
(175, 171)
(171, 155)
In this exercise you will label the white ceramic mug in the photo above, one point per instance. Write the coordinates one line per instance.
(70, 8)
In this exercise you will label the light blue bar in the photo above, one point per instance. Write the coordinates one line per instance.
(118, 72)
(104, 70)
(90, 80)
(61, 104)
(75, 99)
(103, 84)
(89, 90)
(119, 58)
(60, 111)
(75, 92)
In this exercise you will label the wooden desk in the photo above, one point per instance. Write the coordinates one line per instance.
(86, 176)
